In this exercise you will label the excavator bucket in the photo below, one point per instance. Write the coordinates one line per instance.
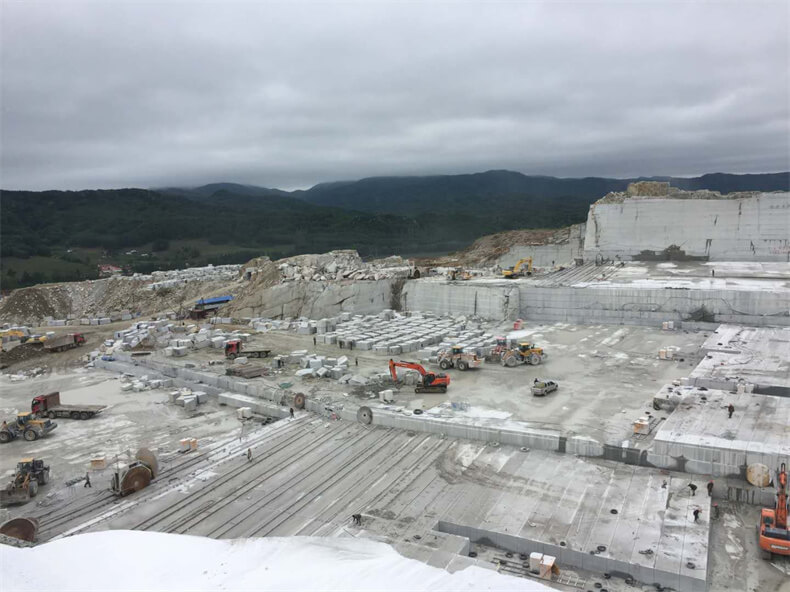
(299, 400)
(24, 529)
(148, 458)
(135, 479)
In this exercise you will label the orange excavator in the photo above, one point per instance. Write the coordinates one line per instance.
(431, 383)
(774, 535)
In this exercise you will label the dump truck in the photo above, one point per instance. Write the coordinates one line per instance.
(51, 406)
(233, 350)
(27, 426)
(456, 357)
(29, 476)
(64, 342)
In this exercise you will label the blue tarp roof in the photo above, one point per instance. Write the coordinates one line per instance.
(217, 300)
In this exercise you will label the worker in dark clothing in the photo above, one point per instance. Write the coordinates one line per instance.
(291, 411)
(249, 454)
(693, 489)
(314, 342)
(697, 512)
(357, 518)
(87, 481)
(356, 361)
(710, 488)
(712, 273)
(730, 410)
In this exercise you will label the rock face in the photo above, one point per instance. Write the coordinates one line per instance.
(664, 223)
(313, 299)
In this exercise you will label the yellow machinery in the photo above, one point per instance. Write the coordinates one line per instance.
(30, 474)
(525, 353)
(518, 269)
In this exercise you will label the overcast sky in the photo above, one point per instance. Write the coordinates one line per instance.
(146, 94)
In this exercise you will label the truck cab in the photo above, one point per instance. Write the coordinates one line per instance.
(233, 348)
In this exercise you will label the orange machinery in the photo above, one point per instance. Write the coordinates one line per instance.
(774, 535)
(430, 382)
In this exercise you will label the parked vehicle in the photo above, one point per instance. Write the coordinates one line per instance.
(51, 406)
(541, 388)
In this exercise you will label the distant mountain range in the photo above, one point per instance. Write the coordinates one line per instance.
(62, 235)
(437, 193)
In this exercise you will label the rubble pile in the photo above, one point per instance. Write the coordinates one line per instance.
(661, 189)
(341, 265)
(178, 277)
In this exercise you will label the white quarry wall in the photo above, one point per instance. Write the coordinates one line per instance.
(496, 303)
(750, 229)
(548, 255)
(318, 300)
(646, 306)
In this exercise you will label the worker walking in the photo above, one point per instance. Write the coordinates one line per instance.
(693, 489)
(356, 361)
(710, 488)
(730, 410)
(291, 411)
(249, 454)
(697, 512)
(87, 481)
(314, 342)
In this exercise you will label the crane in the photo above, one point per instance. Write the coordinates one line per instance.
(515, 271)
(430, 383)
(774, 534)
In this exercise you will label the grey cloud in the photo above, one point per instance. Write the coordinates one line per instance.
(107, 94)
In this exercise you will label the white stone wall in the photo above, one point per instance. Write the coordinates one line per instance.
(750, 229)
(548, 255)
(493, 303)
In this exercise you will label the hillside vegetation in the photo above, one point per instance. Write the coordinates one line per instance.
(63, 235)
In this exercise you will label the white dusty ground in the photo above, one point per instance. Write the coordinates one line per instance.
(184, 563)
(310, 474)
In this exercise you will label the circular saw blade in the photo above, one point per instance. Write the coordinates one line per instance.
(24, 529)
(135, 479)
(365, 415)
(299, 400)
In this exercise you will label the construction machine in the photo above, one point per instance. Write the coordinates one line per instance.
(30, 474)
(525, 353)
(773, 532)
(233, 350)
(50, 405)
(429, 383)
(64, 342)
(458, 274)
(518, 269)
(456, 357)
(137, 475)
(27, 426)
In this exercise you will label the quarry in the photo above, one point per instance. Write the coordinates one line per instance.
(329, 396)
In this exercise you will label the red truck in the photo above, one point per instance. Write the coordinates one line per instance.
(51, 406)
(64, 342)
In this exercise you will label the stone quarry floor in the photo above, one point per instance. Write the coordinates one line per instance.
(310, 474)
(607, 375)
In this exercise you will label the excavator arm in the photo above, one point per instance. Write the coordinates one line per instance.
(402, 364)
